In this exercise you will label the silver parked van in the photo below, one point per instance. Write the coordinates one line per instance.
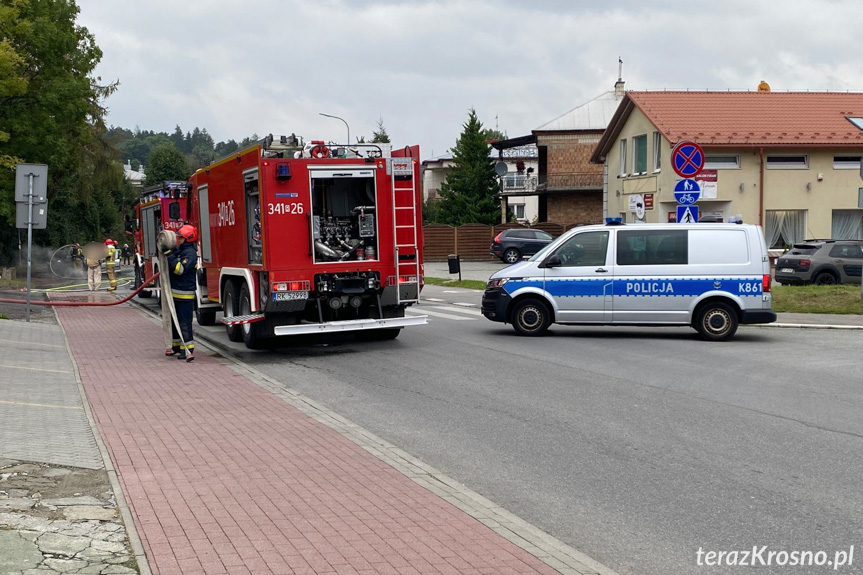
(711, 276)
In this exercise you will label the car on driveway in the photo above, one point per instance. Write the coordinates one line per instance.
(821, 262)
(513, 244)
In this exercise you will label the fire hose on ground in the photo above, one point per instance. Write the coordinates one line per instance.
(86, 303)
(166, 240)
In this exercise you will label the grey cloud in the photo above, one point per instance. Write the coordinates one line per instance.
(272, 66)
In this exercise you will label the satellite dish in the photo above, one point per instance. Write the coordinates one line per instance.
(500, 168)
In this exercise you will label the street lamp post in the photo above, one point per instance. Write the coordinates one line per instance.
(343, 120)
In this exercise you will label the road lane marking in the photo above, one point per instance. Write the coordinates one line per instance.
(456, 309)
(31, 343)
(4, 402)
(426, 311)
(35, 368)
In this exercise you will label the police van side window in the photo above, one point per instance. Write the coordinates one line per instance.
(585, 249)
(652, 247)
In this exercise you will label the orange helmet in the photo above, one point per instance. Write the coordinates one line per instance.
(188, 232)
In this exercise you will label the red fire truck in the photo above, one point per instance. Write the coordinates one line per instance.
(315, 238)
(164, 206)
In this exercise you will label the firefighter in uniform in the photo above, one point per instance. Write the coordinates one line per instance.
(182, 266)
(109, 264)
(78, 257)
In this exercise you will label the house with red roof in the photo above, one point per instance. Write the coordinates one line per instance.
(790, 161)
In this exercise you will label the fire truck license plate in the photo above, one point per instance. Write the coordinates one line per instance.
(290, 295)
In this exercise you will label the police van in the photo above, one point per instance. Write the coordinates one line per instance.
(710, 276)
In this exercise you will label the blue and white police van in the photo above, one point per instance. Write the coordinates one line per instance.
(710, 276)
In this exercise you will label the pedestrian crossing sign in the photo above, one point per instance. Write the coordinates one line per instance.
(687, 214)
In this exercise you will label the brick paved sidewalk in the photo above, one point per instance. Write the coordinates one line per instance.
(223, 477)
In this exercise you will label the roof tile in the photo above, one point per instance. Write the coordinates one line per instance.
(735, 118)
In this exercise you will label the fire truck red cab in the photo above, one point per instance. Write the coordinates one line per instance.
(309, 239)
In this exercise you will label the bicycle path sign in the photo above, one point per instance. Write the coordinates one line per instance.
(687, 159)
(687, 192)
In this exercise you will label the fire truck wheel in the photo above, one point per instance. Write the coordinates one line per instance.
(231, 308)
(251, 331)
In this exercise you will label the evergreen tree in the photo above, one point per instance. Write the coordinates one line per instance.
(493, 135)
(470, 192)
(431, 211)
(380, 135)
(177, 137)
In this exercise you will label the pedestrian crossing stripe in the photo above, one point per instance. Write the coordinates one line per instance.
(431, 312)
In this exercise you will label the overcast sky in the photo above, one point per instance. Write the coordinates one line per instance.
(271, 66)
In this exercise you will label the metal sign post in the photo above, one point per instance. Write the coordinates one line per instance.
(29, 239)
(34, 190)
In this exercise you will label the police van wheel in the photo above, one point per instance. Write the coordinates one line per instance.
(717, 322)
(230, 308)
(531, 317)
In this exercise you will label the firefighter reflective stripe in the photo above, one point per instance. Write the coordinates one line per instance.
(181, 294)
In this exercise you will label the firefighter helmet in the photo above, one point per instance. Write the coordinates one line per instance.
(109, 242)
(188, 232)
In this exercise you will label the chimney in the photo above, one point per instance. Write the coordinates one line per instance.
(618, 86)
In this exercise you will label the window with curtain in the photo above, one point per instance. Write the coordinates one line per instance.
(657, 151)
(639, 154)
(847, 225)
(623, 157)
(784, 228)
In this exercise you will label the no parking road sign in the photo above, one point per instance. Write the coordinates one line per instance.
(687, 159)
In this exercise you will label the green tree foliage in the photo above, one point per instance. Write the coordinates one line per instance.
(13, 83)
(470, 192)
(431, 211)
(198, 145)
(380, 135)
(493, 135)
(166, 163)
(51, 113)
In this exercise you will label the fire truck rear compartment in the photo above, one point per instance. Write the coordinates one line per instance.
(344, 217)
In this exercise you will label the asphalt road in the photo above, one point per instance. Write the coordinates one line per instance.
(636, 446)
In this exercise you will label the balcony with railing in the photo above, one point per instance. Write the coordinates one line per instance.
(515, 184)
(570, 181)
